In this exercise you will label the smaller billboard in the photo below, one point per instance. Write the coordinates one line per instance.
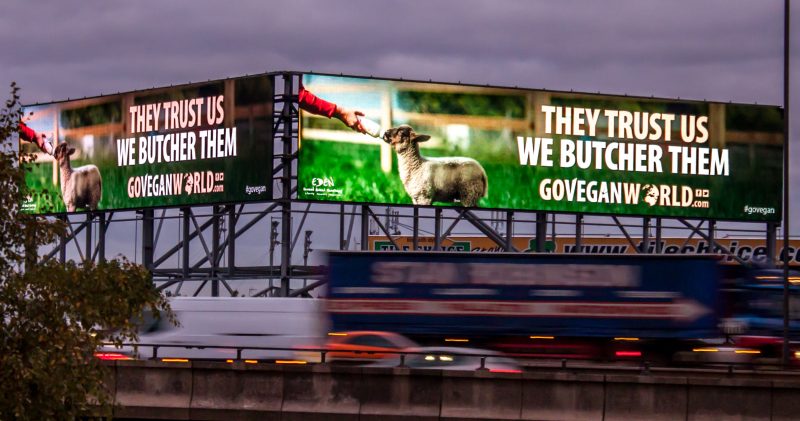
(196, 144)
(752, 250)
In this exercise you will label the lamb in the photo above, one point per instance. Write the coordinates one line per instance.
(435, 179)
(81, 187)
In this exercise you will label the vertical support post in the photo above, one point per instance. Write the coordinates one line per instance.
(286, 183)
(578, 233)
(659, 246)
(786, 126)
(62, 241)
(364, 227)
(772, 235)
(101, 238)
(89, 245)
(437, 229)
(341, 227)
(185, 214)
(645, 246)
(215, 228)
(509, 230)
(415, 241)
(541, 231)
(712, 224)
(231, 240)
(147, 239)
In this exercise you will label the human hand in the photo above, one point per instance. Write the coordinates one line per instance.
(350, 118)
(44, 144)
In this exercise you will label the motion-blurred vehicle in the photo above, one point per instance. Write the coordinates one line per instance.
(454, 358)
(604, 307)
(290, 323)
(359, 346)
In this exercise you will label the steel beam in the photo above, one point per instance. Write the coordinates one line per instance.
(541, 231)
(286, 183)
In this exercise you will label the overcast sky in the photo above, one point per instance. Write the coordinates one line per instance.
(725, 50)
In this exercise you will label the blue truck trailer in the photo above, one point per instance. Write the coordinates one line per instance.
(484, 297)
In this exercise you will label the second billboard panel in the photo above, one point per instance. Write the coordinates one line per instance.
(195, 144)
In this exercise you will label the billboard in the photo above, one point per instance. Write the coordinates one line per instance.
(203, 143)
(751, 250)
(503, 148)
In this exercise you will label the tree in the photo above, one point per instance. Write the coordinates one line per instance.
(53, 316)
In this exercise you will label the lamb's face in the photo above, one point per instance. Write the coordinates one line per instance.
(403, 137)
(62, 151)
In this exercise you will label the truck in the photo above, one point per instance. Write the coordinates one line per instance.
(547, 305)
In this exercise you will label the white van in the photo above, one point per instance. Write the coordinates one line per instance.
(234, 322)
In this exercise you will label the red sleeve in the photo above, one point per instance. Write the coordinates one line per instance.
(26, 133)
(311, 103)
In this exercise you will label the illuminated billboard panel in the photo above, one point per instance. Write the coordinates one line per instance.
(204, 143)
(501, 148)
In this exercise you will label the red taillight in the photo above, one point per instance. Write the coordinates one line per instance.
(501, 370)
(111, 356)
(628, 353)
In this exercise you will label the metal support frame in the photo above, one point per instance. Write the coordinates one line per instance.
(437, 229)
(88, 231)
(148, 246)
(772, 235)
(215, 251)
(625, 233)
(485, 229)
(541, 231)
(659, 245)
(509, 230)
(711, 242)
(288, 113)
(382, 227)
(364, 227)
(712, 245)
(786, 131)
(415, 234)
(101, 236)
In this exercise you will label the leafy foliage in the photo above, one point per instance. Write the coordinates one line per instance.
(53, 316)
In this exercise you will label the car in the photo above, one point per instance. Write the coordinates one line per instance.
(360, 346)
(454, 358)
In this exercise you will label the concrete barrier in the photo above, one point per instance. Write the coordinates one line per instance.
(721, 399)
(562, 396)
(152, 389)
(239, 391)
(785, 400)
(401, 394)
(650, 397)
(209, 391)
(481, 395)
(321, 392)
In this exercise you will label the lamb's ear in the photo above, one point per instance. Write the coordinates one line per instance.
(421, 138)
(71, 151)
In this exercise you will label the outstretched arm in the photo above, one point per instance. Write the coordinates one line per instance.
(29, 135)
(313, 104)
